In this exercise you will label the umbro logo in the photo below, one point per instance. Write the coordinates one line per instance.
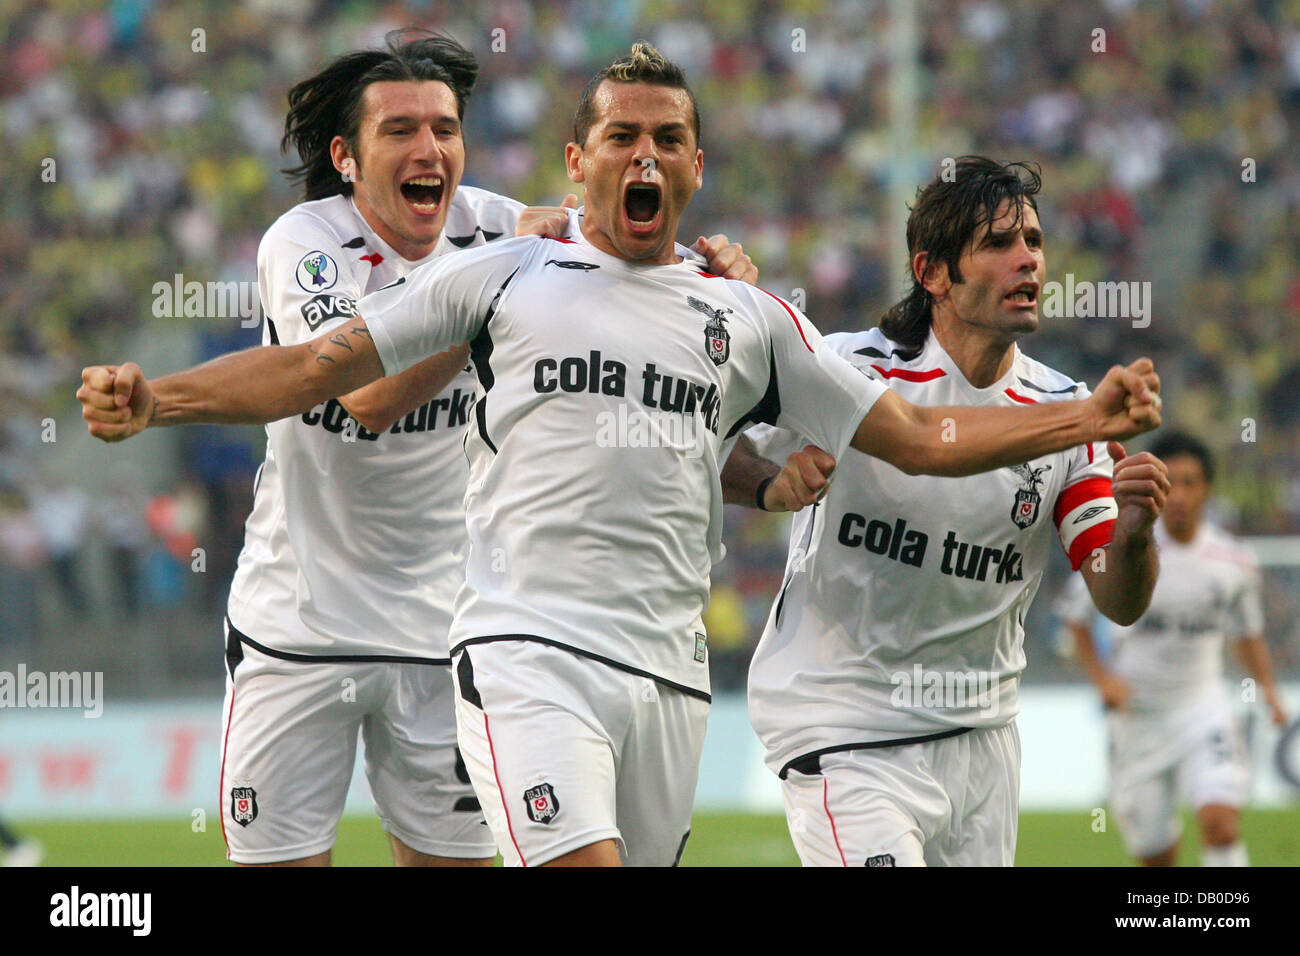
(570, 264)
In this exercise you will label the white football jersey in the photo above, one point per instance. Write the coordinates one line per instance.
(1208, 593)
(608, 391)
(902, 608)
(356, 539)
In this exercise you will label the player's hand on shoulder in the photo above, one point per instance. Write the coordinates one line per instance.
(552, 221)
(116, 401)
(1141, 486)
(727, 259)
(803, 481)
(1127, 402)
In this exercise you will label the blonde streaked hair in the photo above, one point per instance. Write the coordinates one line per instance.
(643, 64)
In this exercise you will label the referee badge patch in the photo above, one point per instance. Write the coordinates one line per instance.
(881, 859)
(541, 803)
(243, 805)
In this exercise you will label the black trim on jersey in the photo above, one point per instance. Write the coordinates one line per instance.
(275, 336)
(480, 350)
(810, 764)
(768, 409)
(257, 478)
(780, 601)
(1068, 390)
(465, 678)
(904, 355)
(356, 243)
(460, 242)
(626, 668)
(236, 634)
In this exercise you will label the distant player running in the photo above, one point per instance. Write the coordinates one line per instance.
(884, 687)
(581, 661)
(1173, 736)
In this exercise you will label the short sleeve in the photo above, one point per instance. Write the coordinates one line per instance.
(1085, 510)
(306, 282)
(442, 303)
(821, 395)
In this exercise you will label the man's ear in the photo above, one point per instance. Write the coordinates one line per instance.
(342, 157)
(933, 275)
(573, 162)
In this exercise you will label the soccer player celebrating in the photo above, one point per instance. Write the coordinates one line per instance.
(884, 685)
(612, 376)
(1169, 715)
(341, 603)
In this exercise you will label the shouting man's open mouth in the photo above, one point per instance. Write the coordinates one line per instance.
(423, 194)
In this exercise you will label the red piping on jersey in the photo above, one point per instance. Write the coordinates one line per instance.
(908, 375)
(1080, 492)
(571, 242)
(1089, 447)
(374, 258)
(500, 790)
(221, 783)
(1020, 398)
(790, 313)
(834, 833)
(1094, 538)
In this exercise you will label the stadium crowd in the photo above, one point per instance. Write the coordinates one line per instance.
(143, 142)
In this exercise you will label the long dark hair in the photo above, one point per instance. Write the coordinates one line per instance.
(949, 210)
(329, 104)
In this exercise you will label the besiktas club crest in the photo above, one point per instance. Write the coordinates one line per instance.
(1024, 510)
(717, 340)
(541, 803)
(243, 805)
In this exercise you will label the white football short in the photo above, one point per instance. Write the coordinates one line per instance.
(1160, 759)
(290, 743)
(566, 751)
(947, 802)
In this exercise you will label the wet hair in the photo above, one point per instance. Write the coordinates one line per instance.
(1172, 444)
(644, 64)
(331, 102)
(948, 213)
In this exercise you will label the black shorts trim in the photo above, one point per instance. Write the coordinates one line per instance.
(237, 634)
(810, 764)
(626, 668)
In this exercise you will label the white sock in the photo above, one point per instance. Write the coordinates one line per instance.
(1234, 854)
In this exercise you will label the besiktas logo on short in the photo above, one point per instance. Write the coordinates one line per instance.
(541, 803)
(243, 805)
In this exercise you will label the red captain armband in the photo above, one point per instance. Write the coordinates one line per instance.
(1085, 516)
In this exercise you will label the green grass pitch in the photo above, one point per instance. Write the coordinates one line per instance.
(717, 839)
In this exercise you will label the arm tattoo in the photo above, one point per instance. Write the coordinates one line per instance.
(361, 330)
(341, 340)
(320, 359)
(153, 412)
